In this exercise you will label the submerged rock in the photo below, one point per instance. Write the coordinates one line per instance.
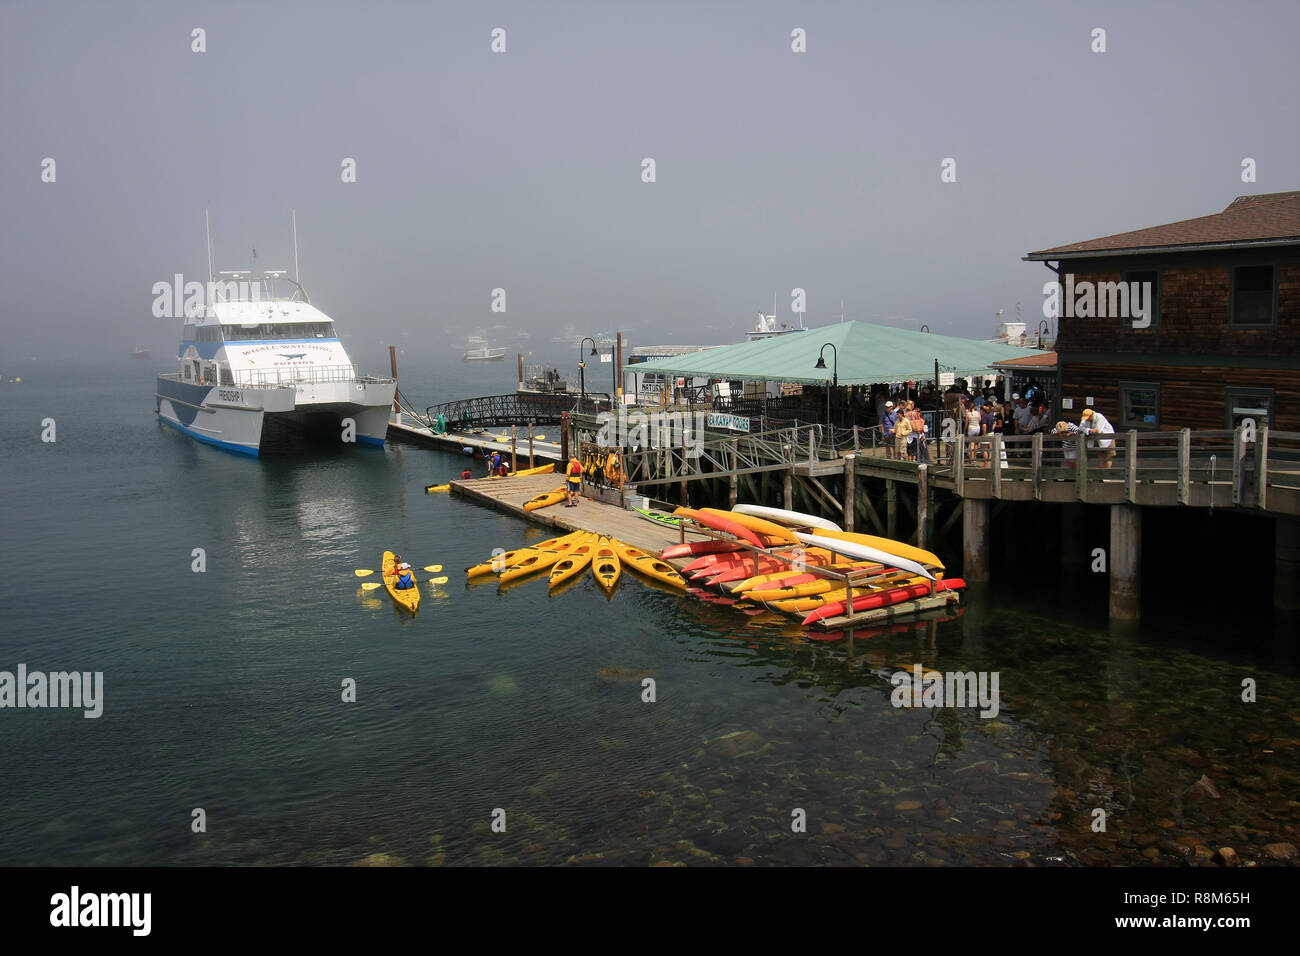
(739, 743)
(382, 859)
(503, 685)
(1203, 788)
(1280, 851)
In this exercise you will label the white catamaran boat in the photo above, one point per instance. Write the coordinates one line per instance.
(259, 372)
(478, 351)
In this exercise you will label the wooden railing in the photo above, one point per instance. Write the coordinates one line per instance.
(1212, 468)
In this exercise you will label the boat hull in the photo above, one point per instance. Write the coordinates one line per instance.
(248, 421)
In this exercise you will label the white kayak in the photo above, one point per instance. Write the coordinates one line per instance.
(861, 552)
(795, 519)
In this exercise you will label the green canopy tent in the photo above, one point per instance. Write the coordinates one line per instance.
(864, 354)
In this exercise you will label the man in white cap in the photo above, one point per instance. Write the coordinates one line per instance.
(1021, 414)
(888, 419)
(1095, 423)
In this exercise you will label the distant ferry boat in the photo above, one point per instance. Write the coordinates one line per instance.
(140, 352)
(479, 352)
(255, 372)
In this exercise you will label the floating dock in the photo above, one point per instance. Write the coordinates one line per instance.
(403, 429)
(510, 494)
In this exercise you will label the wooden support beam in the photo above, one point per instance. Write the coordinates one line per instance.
(1261, 470)
(1037, 454)
(1081, 471)
(891, 509)
(1131, 466)
(787, 489)
(1238, 460)
(531, 462)
(923, 507)
(825, 495)
(997, 465)
(850, 487)
(1184, 466)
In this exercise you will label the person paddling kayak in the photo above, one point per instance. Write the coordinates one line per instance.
(573, 482)
(404, 577)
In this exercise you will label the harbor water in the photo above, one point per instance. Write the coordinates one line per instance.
(223, 690)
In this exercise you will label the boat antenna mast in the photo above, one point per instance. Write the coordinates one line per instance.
(296, 277)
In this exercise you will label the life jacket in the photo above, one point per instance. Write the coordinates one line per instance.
(404, 580)
(574, 470)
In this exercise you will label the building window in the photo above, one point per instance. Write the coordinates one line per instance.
(1139, 405)
(1253, 297)
(1243, 403)
(1144, 292)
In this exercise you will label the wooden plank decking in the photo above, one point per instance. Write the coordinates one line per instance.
(509, 495)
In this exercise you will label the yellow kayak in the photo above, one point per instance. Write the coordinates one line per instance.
(802, 605)
(536, 560)
(649, 565)
(503, 561)
(757, 525)
(605, 565)
(572, 564)
(408, 598)
(539, 470)
(544, 500)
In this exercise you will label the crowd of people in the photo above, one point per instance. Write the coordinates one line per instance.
(978, 414)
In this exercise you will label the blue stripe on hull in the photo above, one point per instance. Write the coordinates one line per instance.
(216, 443)
(367, 440)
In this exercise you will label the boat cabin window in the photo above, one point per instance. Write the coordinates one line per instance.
(278, 331)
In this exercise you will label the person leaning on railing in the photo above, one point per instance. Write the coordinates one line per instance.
(902, 436)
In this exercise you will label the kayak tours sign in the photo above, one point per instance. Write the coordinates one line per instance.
(735, 423)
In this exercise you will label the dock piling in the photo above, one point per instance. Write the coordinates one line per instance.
(1125, 562)
(975, 540)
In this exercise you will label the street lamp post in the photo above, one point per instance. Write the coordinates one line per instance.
(582, 366)
(835, 374)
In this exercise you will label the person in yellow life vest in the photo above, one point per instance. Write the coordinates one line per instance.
(573, 482)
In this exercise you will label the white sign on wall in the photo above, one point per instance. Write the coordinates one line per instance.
(947, 378)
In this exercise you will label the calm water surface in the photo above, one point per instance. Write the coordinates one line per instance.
(222, 689)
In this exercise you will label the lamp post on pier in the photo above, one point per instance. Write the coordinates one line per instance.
(582, 366)
(835, 374)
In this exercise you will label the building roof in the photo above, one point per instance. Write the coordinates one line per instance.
(1267, 219)
(865, 353)
(1037, 360)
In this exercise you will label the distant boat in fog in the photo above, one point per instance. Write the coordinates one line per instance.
(479, 351)
(140, 352)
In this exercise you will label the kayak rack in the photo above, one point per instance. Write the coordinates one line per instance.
(850, 579)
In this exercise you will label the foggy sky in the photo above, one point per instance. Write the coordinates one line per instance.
(522, 170)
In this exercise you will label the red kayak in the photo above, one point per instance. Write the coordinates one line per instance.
(698, 547)
(710, 561)
(719, 523)
(883, 599)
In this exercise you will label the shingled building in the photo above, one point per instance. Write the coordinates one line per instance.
(1221, 339)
